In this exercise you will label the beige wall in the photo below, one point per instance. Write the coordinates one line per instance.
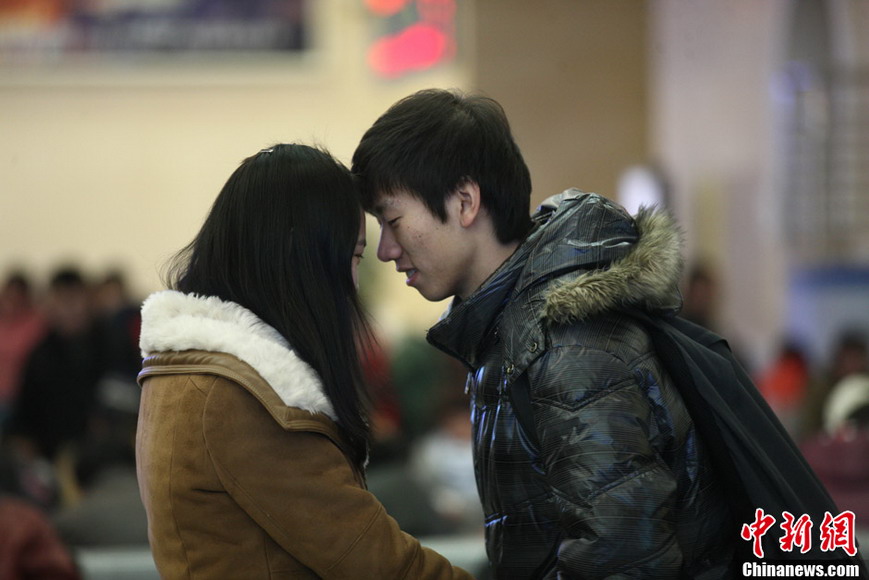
(713, 130)
(717, 127)
(119, 164)
(572, 78)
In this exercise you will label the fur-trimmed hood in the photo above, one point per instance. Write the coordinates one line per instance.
(585, 256)
(173, 321)
(642, 270)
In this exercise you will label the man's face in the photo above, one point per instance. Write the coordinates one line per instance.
(429, 252)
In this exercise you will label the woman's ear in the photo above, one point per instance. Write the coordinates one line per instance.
(468, 198)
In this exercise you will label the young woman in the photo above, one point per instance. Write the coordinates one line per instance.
(252, 439)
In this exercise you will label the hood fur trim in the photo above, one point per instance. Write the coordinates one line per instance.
(173, 321)
(647, 277)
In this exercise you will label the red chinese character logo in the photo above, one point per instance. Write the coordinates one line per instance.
(838, 532)
(797, 533)
(757, 529)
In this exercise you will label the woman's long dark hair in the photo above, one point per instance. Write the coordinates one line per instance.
(279, 240)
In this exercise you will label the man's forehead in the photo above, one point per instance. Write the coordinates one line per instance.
(387, 201)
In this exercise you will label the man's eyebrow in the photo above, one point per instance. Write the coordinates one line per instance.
(378, 209)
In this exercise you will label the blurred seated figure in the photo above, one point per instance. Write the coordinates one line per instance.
(388, 441)
(442, 462)
(29, 546)
(840, 453)
(57, 395)
(109, 511)
(120, 320)
(850, 356)
(421, 373)
(784, 385)
(118, 323)
(847, 404)
(427, 483)
(21, 327)
(26, 475)
(700, 297)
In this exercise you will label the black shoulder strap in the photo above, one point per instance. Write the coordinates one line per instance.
(749, 448)
(520, 397)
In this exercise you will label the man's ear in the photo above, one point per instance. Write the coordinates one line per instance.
(469, 204)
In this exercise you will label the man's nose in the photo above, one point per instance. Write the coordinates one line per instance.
(387, 248)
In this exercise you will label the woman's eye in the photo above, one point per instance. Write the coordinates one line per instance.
(360, 256)
(393, 221)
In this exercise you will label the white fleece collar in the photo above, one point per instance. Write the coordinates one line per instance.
(173, 321)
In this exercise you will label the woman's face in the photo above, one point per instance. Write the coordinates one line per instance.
(357, 253)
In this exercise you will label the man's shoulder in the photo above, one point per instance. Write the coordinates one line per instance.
(612, 334)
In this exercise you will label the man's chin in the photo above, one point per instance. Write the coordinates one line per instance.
(425, 292)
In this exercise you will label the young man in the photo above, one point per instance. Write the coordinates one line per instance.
(588, 464)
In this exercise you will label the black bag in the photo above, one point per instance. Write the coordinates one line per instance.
(760, 465)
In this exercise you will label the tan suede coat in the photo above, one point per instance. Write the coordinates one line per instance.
(239, 484)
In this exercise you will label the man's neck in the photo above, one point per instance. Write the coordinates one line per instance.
(490, 257)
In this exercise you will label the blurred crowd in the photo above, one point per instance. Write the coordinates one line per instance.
(826, 410)
(823, 404)
(68, 408)
(69, 358)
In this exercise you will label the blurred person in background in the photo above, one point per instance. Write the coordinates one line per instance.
(252, 438)
(52, 414)
(107, 509)
(434, 458)
(839, 453)
(700, 297)
(385, 414)
(609, 476)
(442, 461)
(849, 356)
(58, 387)
(421, 373)
(29, 545)
(118, 314)
(21, 327)
(784, 385)
(847, 404)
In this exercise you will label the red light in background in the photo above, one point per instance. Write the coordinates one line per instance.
(426, 36)
(417, 47)
(386, 7)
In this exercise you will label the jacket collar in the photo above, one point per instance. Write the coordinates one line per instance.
(585, 255)
(173, 321)
(610, 259)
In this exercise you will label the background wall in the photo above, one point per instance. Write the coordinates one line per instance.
(119, 164)
(720, 101)
(573, 79)
(712, 70)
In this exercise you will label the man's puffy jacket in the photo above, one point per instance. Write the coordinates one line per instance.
(608, 478)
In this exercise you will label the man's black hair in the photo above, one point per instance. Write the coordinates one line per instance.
(434, 141)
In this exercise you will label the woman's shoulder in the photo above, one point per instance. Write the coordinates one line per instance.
(228, 381)
(224, 335)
